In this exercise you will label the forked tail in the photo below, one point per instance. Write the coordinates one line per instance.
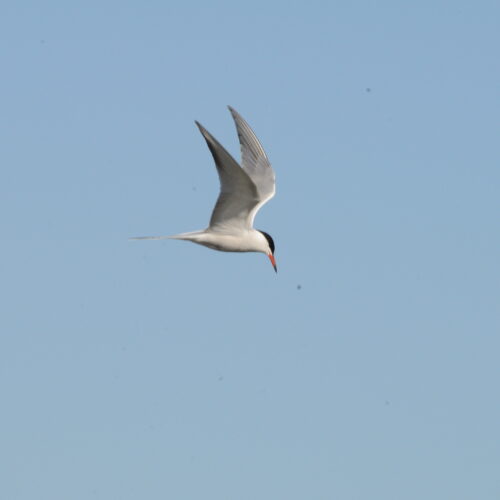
(192, 236)
(150, 238)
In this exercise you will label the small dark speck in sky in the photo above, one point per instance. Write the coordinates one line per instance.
(299, 287)
(368, 89)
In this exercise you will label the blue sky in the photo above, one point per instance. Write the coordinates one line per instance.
(367, 368)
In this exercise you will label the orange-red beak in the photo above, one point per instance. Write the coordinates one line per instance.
(273, 262)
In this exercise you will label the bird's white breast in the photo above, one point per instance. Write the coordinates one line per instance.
(244, 241)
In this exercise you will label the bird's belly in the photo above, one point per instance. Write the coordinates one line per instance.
(226, 243)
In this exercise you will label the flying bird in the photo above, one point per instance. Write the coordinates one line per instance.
(244, 189)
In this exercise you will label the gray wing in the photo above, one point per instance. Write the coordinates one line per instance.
(254, 162)
(238, 193)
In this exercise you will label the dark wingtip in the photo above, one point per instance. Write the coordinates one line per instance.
(204, 132)
(233, 112)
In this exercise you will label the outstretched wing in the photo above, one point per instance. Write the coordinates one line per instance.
(238, 193)
(254, 162)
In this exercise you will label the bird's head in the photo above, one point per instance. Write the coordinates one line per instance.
(269, 251)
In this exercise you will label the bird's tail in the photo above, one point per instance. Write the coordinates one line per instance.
(149, 238)
(192, 236)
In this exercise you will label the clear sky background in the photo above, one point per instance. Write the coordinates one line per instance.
(367, 368)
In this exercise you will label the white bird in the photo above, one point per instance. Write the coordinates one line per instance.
(243, 191)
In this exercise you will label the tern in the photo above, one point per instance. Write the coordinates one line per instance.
(244, 189)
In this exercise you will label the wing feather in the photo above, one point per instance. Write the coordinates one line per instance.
(238, 194)
(254, 161)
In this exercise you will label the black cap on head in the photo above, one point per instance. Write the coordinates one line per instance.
(269, 240)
